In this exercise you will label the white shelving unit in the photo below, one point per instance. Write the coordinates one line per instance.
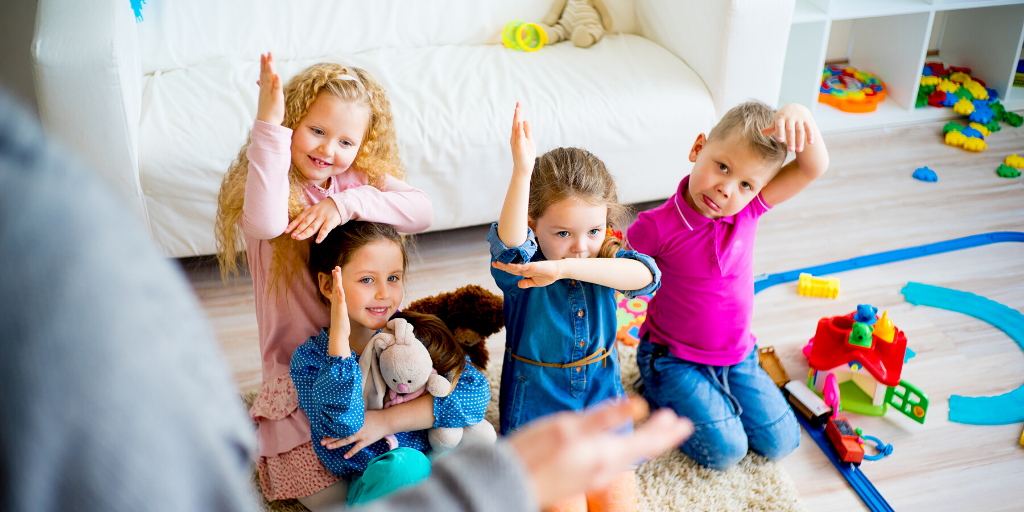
(889, 39)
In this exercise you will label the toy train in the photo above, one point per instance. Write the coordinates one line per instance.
(808, 404)
(799, 396)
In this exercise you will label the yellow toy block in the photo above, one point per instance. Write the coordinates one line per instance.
(972, 144)
(1022, 439)
(981, 128)
(930, 80)
(1015, 161)
(977, 90)
(963, 107)
(884, 328)
(959, 77)
(955, 138)
(810, 286)
(947, 86)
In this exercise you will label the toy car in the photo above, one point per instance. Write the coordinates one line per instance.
(845, 441)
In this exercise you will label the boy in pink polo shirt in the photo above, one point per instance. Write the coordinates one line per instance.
(697, 354)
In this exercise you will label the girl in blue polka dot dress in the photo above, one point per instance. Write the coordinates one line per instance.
(359, 269)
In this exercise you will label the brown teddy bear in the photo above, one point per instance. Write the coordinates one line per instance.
(471, 313)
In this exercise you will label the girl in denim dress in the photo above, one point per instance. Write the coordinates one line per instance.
(558, 263)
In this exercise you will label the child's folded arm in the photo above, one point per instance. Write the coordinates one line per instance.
(466, 404)
(265, 209)
(632, 272)
(509, 283)
(403, 206)
(652, 267)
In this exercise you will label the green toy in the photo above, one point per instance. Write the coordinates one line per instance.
(952, 127)
(860, 334)
(1013, 119)
(1005, 171)
(998, 111)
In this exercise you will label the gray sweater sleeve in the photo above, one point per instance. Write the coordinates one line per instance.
(115, 396)
(476, 478)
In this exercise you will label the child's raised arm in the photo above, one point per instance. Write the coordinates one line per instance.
(265, 210)
(337, 344)
(794, 125)
(512, 223)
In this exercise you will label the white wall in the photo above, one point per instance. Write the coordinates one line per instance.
(17, 23)
(841, 33)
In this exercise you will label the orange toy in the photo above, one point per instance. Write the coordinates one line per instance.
(850, 90)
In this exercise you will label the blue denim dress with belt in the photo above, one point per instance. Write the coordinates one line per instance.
(559, 339)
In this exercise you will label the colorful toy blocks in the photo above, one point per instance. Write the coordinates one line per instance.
(810, 286)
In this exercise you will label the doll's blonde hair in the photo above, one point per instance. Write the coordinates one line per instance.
(574, 173)
(377, 157)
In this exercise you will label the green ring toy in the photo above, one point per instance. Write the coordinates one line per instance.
(524, 36)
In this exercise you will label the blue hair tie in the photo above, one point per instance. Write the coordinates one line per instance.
(883, 449)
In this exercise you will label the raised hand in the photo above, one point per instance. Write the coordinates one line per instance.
(337, 345)
(320, 218)
(792, 125)
(524, 150)
(537, 273)
(271, 102)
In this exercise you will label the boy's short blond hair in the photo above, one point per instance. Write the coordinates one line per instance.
(746, 120)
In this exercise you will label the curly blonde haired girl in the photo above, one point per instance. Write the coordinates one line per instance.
(322, 152)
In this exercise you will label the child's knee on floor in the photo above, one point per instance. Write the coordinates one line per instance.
(777, 439)
(718, 444)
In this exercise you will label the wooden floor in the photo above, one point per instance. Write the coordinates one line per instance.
(866, 203)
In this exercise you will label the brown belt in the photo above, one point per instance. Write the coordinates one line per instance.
(599, 355)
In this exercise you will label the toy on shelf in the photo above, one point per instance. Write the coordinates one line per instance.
(810, 286)
(925, 174)
(1005, 171)
(964, 107)
(1018, 77)
(867, 368)
(629, 317)
(850, 90)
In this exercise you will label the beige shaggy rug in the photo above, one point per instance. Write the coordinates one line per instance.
(673, 481)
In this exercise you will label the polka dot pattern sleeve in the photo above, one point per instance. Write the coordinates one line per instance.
(330, 389)
(466, 404)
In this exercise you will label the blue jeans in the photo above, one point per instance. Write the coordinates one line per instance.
(733, 408)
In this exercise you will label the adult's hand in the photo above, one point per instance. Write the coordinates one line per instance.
(570, 453)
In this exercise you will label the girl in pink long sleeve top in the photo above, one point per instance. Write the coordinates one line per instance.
(336, 153)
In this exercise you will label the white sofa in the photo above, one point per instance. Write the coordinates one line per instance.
(160, 107)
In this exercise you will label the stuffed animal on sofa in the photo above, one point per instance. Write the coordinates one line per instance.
(582, 21)
(471, 313)
(396, 368)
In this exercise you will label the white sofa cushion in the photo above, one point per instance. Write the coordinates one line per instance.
(183, 33)
(629, 101)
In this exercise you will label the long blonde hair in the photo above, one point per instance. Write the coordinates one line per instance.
(574, 173)
(377, 157)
